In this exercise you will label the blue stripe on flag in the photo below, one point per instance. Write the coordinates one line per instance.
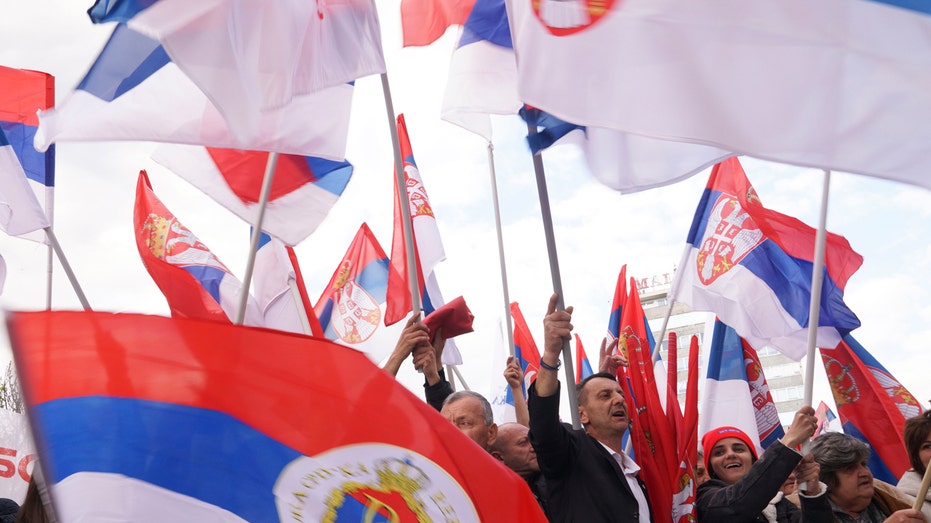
(726, 360)
(196, 452)
(125, 62)
(372, 278)
(209, 277)
(922, 6)
(790, 279)
(875, 463)
(331, 176)
(39, 167)
(488, 21)
(116, 10)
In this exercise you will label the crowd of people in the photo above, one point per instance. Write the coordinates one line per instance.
(585, 474)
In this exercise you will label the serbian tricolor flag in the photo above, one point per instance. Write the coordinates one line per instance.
(351, 307)
(872, 405)
(195, 283)
(583, 368)
(22, 94)
(152, 419)
(735, 392)
(825, 416)
(428, 248)
(251, 59)
(525, 350)
(304, 188)
(135, 91)
(752, 267)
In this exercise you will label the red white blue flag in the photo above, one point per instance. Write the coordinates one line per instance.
(352, 306)
(251, 58)
(304, 188)
(195, 283)
(152, 419)
(22, 94)
(134, 91)
(428, 248)
(525, 350)
(735, 392)
(752, 267)
(583, 368)
(872, 405)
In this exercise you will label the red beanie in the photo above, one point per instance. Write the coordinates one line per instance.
(712, 437)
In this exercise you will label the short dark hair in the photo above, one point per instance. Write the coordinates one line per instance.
(487, 413)
(834, 452)
(915, 433)
(583, 383)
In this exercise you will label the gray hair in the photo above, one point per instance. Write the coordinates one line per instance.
(835, 452)
(462, 394)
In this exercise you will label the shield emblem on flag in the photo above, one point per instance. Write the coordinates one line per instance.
(730, 235)
(356, 315)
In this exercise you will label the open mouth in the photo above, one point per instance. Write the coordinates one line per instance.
(732, 466)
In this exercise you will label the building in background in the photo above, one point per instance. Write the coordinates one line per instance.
(783, 375)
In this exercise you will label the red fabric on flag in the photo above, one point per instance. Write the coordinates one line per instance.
(243, 170)
(865, 405)
(653, 440)
(315, 328)
(186, 296)
(287, 391)
(399, 293)
(454, 318)
(423, 21)
(23, 92)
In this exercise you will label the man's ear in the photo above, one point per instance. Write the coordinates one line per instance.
(492, 433)
(583, 416)
(497, 455)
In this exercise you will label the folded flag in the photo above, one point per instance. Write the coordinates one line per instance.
(735, 391)
(195, 283)
(251, 57)
(304, 188)
(134, 91)
(752, 267)
(454, 318)
(153, 419)
(872, 405)
(279, 291)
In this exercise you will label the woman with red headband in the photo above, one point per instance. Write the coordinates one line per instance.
(745, 489)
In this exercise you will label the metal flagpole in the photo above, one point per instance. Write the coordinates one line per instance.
(67, 267)
(504, 272)
(455, 369)
(817, 277)
(256, 235)
(554, 271)
(49, 212)
(406, 224)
